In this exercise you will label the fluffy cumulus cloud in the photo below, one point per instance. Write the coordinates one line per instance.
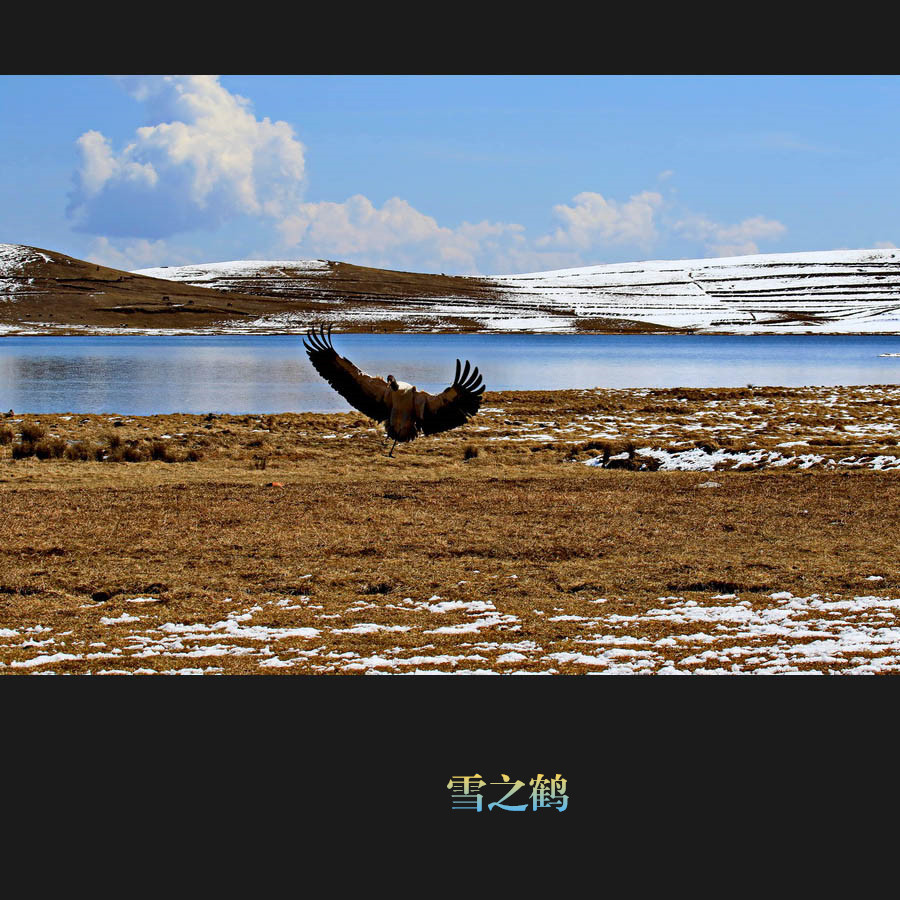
(729, 240)
(205, 159)
(593, 220)
(396, 235)
(136, 254)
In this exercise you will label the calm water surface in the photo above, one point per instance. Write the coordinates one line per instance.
(268, 374)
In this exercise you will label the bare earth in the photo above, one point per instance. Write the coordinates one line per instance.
(292, 544)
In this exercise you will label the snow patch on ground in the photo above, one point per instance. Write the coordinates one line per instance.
(722, 633)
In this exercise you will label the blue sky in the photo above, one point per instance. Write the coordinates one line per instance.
(463, 174)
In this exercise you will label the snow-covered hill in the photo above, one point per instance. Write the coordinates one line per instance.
(840, 291)
(835, 291)
(832, 291)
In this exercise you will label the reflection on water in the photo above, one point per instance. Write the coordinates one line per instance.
(267, 374)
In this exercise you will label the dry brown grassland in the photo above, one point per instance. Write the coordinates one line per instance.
(292, 544)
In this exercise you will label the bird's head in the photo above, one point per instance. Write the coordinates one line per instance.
(392, 382)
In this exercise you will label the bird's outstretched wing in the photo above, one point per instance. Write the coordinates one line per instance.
(368, 394)
(453, 406)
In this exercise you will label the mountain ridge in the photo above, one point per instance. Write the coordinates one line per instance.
(837, 291)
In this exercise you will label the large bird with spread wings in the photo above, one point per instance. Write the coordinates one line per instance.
(405, 410)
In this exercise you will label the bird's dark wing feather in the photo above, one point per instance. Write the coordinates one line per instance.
(368, 394)
(453, 406)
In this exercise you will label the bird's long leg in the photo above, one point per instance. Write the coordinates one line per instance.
(392, 449)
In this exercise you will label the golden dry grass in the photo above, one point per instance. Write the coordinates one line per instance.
(517, 559)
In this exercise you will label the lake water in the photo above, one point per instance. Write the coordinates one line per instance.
(143, 375)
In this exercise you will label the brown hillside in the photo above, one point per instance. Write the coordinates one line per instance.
(68, 294)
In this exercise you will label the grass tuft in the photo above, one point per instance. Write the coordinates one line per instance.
(162, 452)
(22, 450)
(32, 432)
(50, 448)
(380, 587)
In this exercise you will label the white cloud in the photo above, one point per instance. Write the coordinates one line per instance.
(135, 254)
(398, 236)
(594, 220)
(99, 165)
(394, 235)
(206, 159)
(729, 240)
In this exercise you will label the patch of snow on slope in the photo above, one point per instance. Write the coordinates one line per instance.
(242, 268)
(14, 259)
